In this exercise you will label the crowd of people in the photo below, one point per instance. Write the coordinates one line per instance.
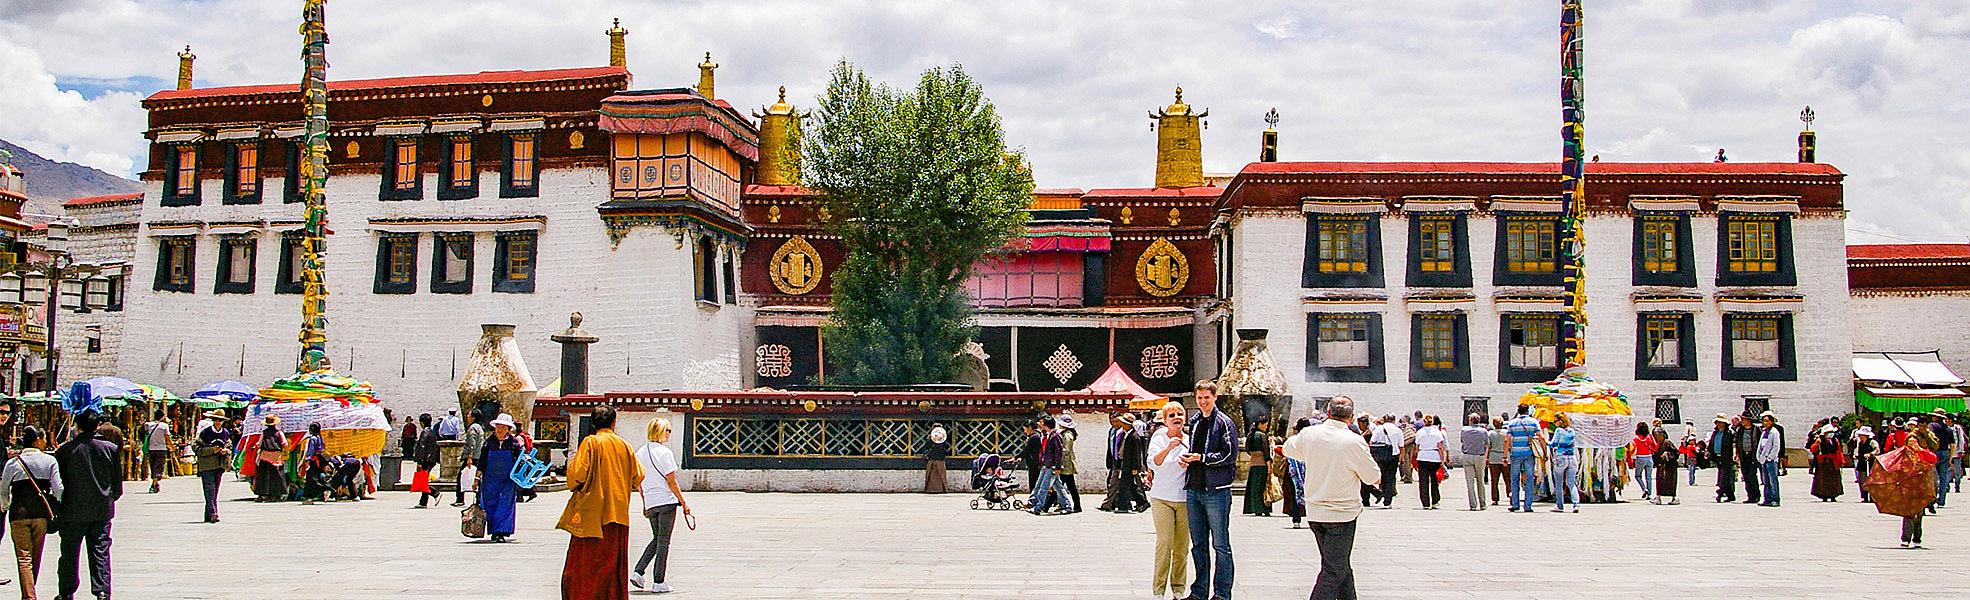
(71, 492)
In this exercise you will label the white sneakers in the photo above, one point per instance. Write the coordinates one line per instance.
(641, 581)
(660, 588)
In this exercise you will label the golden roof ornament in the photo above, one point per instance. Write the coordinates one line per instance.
(779, 154)
(1179, 144)
(618, 49)
(185, 59)
(781, 107)
(705, 77)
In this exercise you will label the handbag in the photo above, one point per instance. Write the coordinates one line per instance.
(38, 492)
(472, 522)
(467, 476)
(421, 482)
(1441, 474)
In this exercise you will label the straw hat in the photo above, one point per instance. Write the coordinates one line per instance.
(271, 420)
(1767, 415)
(215, 415)
(1721, 418)
(504, 419)
(1865, 430)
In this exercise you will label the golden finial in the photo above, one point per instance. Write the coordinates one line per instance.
(781, 107)
(779, 150)
(618, 49)
(185, 68)
(705, 78)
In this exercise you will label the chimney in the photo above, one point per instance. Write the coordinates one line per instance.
(1808, 141)
(779, 143)
(704, 77)
(618, 50)
(1179, 145)
(1269, 139)
(185, 68)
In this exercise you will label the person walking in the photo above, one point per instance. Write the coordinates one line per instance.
(157, 449)
(270, 462)
(1957, 451)
(1258, 452)
(1407, 463)
(1945, 443)
(450, 426)
(1111, 460)
(426, 456)
(1292, 478)
(1337, 465)
(1385, 444)
(1496, 456)
(1920, 444)
(1049, 493)
(1749, 468)
(1771, 449)
(215, 457)
(1523, 432)
(1666, 457)
(498, 494)
(1474, 441)
(601, 475)
(1723, 456)
(475, 440)
(662, 500)
(29, 489)
(1687, 453)
(1029, 454)
(1068, 435)
(1566, 463)
(1865, 450)
(408, 440)
(91, 472)
(1827, 456)
(1210, 467)
(1641, 455)
(1166, 504)
(1432, 447)
(935, 453)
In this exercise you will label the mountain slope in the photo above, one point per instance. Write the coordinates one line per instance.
(49, 182)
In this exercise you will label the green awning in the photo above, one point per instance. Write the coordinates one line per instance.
(1898, 403)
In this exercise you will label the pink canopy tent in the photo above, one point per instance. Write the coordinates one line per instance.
(1117, 381)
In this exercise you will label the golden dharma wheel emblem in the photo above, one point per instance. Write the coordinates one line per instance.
(485, 100)
(1128, 215)
(576, 139)
(796, 267)
(697, 404)
(353, 149)
(807, 405)
(1162, 270)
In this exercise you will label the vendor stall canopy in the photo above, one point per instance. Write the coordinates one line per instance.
(1906, 382)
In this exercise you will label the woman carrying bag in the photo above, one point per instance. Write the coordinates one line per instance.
(661, 502)
(269, 473)
(29, 489)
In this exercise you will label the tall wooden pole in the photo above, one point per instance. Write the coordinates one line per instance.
(1573, 183)
(314, 181)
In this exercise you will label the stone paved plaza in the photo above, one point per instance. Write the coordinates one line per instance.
(934, 547)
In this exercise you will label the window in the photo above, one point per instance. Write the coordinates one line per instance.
(293, 262)
(236, 254)
(521, 170)
(93, 336)
(1342, 251)
(290, 192)
(182, 187)
(401, 180)
(1439, 254)
(1757, 405)
(1531, 348)
(704, 274)
(461, 179)
(174, 264)
(116, 291)
(396, 263)
(1669, 409)
(513, 268)
(1664, 346)
(451, 264)
(1662, 250)
(1028, 279)
(1758, 347)
(243, 174)
(1344, 347)
(1755, 249)
(1439, 350)
(731, 277)
(1477, 405)
(1528, 250)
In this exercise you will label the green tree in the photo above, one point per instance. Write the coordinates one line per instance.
(919, 184)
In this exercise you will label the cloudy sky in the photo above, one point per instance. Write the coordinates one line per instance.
(1668, 80)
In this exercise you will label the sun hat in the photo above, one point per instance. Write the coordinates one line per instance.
(1722, 419)
(271, 420)
(1865, 430)
(504, 419)
(215, 415)
(1066, 421)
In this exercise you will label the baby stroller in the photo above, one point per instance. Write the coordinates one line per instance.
(996, 488)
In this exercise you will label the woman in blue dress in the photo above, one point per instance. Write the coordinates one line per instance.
(497, 492)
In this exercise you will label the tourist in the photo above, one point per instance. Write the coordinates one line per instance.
(1407, 463)
(1771, 450)
(1641, 455)
(1432, 447)
(601, 475)
(1049, 493)
(1497, 449)
(92, 480)
(1258, 451)
(1167, 505)
(1523, 432)
(1474, 441)
(450, 426)
(1124, 463)
(1945, 441)
(1827, 455)
(1385, 444)
(497, 492)
(1723, 456)
(408, 439)
(1111, 460)
(1068, 468)
(317, 475)
(1865, 450)
(661, 501)
(1666, 456)
(269, 463)
(1749, 469)
(1294, 481)
(1029, 454)
(157, 446)
(1687, 452)
(1957, 451)
(1211, 466)
(1918, 441)
(935, 453)
(426, 457)
(475, 439)
(29, 488)
(1566, 463)
(215, 457)
(1337, 464)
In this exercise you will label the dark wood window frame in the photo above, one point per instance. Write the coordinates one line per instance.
(1788, 364)
(290, 187)
(504, 262)
(1685, 327)
(1501, 273)
(165, 264)
(704, 263)
(1784, 273)
(175, 157)
(440, 248)
(1678, 226)
(288, 279)
(1371, 249)
(729, 275)
(1376, 371)
(223, 283)
(510, 184)
(1460, 247)
(391, 276)
(234, 164)
(394, 186)
(448, 188)
(1507, 372)
(1460, 339)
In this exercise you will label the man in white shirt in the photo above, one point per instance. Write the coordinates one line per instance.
(1384, 446)
(1337, 464)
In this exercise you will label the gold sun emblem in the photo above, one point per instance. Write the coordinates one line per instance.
(1162, 270)
(796, 267)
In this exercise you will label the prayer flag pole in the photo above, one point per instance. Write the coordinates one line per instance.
(1573, 180)
(314, 181)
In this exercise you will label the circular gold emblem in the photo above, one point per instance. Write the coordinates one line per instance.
(576, 139)
(1162, 269)
(795, 267)
(697, 404)
(354, 149)
(808, 405)
(486, 100)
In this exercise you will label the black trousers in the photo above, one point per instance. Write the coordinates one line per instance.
(1113, 497)
(1072, 491)
(1130, 498)
(1385, 458)
(1912, 529)
(1336, 543)
(1726, 481)
(1749, 466)
(94, 535)
(1032, 477)
(210, 481)
(1427, 484)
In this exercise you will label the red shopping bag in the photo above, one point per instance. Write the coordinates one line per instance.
(421, 483)
(1441, 474)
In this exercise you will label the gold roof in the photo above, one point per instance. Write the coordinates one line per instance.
(1179, 108)
(781, 107)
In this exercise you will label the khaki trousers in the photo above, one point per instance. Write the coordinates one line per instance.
(1172, 559)
(29, 536)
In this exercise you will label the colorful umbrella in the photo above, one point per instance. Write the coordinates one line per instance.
(225, 394)
(94, 393)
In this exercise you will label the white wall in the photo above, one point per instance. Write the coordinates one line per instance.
(1914, 323)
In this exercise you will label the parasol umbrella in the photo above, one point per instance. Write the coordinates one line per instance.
(225, 394)
(91, 394)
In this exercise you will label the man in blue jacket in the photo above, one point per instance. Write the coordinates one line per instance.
(1211, 467)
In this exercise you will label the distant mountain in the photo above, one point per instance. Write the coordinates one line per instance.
(49, 182)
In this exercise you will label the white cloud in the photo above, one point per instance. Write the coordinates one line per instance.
(1393, 80)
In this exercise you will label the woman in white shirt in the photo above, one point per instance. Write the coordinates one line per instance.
(1166, 505)
(661, 501)
(1432, 445)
